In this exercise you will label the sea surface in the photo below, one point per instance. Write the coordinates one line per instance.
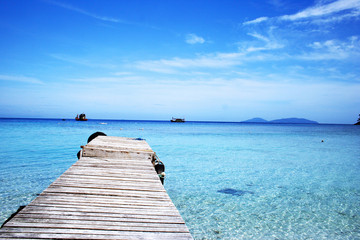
(228, 180)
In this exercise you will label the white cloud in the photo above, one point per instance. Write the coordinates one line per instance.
(331, 12)
(20, 79)
(270, 43)
(337, 18)
(193, 39)
(257, 20)
(321, 10)
(333, 49)
(259, 36)
(246, 53)
(218, 60)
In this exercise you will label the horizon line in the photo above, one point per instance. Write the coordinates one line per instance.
(194, 121)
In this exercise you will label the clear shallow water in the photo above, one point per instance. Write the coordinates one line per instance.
(228, 180)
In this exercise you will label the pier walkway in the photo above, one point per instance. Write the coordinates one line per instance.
(111, 192)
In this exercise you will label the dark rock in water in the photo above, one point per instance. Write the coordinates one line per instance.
(234, 192)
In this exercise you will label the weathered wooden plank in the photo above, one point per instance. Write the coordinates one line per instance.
(17, 238)
(128, 181)
(140, 162)
(108, 192)
(113, 173)
(78, 202)
(94, 209)
(109, 202)
(125, 206)
(101, 217)
(105, 186)
(77, 222)
(142, 189)
(74, 177)
(136, 217)
(63, 213)
(115, 166)
(99, 226)
(79, 174)
(86, 230)
(104, 199)
(127, 175)
(120, 143)
(133, 161)
(81, 180)
(148, 182)
(119, 171)
(118, 162)
(114, 207)
(116, 143)
(109, 195)
(123, 140)
(98, 235)
(110, 152)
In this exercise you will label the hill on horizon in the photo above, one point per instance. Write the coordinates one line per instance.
(256, 120)
(282, 120)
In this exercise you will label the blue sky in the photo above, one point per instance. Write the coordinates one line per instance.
(202, 60)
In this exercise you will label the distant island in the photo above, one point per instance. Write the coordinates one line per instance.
(282, 120)
(358, 121)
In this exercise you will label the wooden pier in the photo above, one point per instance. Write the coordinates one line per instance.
(111, 192)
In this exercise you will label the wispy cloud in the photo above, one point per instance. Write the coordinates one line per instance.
(193, 39)
(20, 79)
(257, 20)
(337, 18)
(318, 50)
(333, 49)
(79, 61)
(247, 52)
(106, 21)
(218, 60)
(329, 12)
(84, 12)
(259, 36)
(261, 42)
(325, 9)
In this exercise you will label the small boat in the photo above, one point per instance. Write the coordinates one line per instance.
(177, 119)
(81, 117)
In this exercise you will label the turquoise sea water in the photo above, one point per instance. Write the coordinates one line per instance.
(228, 180)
